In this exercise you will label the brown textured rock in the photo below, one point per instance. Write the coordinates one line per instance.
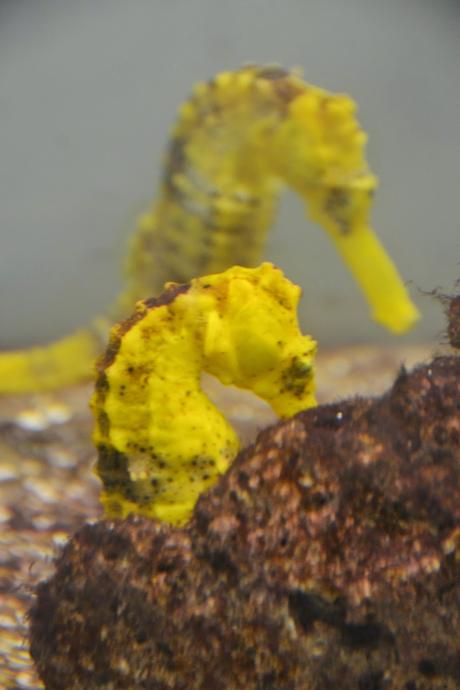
(327, 557)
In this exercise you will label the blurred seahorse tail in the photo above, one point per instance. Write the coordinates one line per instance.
(51, 366)
(72, 359)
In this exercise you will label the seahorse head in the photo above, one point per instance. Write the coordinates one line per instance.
(253, 340)
(323, 143)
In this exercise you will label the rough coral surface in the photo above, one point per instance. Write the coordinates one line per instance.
(327, 557)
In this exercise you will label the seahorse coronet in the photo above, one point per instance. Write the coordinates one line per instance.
(161, 442)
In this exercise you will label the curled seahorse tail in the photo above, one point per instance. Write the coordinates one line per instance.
(62, 363)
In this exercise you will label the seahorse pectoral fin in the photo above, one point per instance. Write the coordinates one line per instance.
(344, 214)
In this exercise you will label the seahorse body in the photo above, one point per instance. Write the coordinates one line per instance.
(161, 442)
(238, 139)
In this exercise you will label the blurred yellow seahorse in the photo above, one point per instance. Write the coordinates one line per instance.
(238, 139)
(161, 442)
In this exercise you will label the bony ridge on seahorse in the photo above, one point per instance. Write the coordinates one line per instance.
(161, 442)
(238, 139)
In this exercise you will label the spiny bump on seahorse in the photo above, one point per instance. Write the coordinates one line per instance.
(239, 138)
(161, 442)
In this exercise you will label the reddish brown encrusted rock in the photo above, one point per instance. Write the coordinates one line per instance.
(327, 558)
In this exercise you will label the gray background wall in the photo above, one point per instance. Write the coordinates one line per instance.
(89, 89)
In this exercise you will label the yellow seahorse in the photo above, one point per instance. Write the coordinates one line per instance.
(161, 442)
(238, 139)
